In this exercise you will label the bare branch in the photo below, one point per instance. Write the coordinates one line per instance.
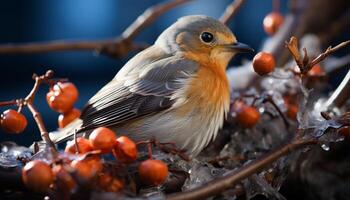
(303, 63)
(231, 11)
(116, 47)
(148, 17)
(329, 51)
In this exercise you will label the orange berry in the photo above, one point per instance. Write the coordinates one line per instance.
(125, 149)
(104, 180)
(292, 111)
(263, 63)
(83, 144)
(13, 121)
(247, 116)
(62, 97)
(153, 172)
(37, 175)
(88, 168)
(316, 70)
(115, 185)
(63, 177)
(103, 139)
(109, 184)
(272, 22)
(66, 118)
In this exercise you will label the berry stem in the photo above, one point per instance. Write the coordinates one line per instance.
(276, 6)
(149, 147)
(77, 150)
(8, 103)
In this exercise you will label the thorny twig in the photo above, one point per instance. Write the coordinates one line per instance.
(29, 102)
(116, 47)
(231, 11)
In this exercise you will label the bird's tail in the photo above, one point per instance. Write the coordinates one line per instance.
(65, 133)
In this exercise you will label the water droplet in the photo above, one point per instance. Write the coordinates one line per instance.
(325, 147)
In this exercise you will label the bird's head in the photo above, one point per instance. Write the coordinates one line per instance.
(202, 38)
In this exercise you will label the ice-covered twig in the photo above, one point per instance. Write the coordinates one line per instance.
(341, 94)
(116, 47)
(223, 183)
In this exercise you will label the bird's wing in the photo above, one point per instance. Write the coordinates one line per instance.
(138, 92)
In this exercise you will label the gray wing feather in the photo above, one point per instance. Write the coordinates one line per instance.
(140, 93)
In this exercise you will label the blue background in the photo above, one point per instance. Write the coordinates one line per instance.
(45, 20)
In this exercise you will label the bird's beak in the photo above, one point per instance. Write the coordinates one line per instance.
(238, 48)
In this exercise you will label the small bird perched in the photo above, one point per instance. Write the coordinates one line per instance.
(174, 91)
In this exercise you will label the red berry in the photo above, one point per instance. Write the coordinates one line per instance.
(13, 121)
(37, 175)
(263, 63)
(83, 144)
(316, 70)
(103, 139)
(88, 168)
(247, 116)
(153, 172)
(62, 97)
(63, 177)
(272, 22)
(125, 149)
(66, 118)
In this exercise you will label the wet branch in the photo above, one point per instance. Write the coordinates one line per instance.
(116, 47)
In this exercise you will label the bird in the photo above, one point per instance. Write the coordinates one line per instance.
(175, 91)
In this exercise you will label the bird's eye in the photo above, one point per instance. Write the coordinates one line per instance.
(207, 37)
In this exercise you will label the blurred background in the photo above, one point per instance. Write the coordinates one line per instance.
(43, 20)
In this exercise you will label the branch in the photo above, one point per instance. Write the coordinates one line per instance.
(116, 47)
(304, 63)
(149, 16)
(29, 100)
(223, 183)
(329, 51)
(231, 11)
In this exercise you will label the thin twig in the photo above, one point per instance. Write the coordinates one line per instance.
(8, 103)
(228, 181)
(29, 100)
(303, 63)
(77, 150)
(116, 47)
(284, 119)
(329, 51)
(148, 17)
(231, 11)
